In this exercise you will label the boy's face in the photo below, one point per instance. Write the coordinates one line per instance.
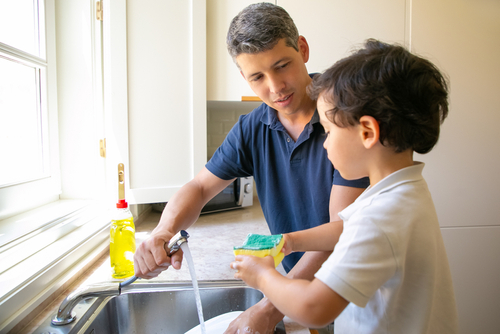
(343, 145)
(279, 76)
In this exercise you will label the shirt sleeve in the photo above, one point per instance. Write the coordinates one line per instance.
(233, 158)
(362, 261)
(340, 181)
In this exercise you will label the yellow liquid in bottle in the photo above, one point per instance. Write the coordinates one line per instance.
(122, 247)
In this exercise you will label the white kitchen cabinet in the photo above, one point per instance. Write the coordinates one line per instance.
(473, 257)
(224, 81)
(331, 28)
(155, 95)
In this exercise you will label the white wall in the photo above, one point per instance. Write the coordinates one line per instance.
(462, 38)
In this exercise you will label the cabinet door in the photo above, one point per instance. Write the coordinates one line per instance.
(224, 81)
(155, 88)
(333, 28)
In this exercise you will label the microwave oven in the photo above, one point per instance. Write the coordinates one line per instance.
(238, 194)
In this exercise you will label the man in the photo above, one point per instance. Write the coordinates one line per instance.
(280, 143)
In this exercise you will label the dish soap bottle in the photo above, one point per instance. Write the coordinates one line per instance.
(122, 234)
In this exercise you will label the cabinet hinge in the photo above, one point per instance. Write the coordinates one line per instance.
(102, 147)
(99, 10)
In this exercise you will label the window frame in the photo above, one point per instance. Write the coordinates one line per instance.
(24, 195)
(76, 225)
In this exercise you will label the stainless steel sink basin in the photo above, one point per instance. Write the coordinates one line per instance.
(156, 308)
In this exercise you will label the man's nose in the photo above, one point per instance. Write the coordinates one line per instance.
(276, 84)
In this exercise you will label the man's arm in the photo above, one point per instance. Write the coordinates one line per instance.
(340, 198)
(181, 212)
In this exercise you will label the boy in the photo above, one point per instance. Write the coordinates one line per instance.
(389, 271)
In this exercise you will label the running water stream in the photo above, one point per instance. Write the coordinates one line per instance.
(189, 259)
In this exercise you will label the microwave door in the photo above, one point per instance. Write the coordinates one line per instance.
(225, 200)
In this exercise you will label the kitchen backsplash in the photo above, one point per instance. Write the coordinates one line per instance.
(221, 116)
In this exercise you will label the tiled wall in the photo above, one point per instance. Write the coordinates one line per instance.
(221, 116)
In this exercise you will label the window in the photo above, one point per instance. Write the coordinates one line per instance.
(52, 217)
(28, 173)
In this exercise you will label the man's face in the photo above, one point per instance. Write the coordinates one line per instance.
(279, 76)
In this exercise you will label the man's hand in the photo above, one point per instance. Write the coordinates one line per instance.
(261, 318)
(151, 258)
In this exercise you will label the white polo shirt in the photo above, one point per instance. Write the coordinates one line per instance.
(390, 262)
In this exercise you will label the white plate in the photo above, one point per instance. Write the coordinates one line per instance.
(217, 324)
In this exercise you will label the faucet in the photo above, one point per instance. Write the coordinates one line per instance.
(65, 314)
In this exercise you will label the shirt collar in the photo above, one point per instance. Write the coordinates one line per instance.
(402, 176)
(270, 117)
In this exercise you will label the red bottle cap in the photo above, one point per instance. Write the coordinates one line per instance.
(122, 204)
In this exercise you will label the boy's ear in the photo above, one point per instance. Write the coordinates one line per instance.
(369, 131)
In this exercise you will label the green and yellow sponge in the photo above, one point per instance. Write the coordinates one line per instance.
(262, 245)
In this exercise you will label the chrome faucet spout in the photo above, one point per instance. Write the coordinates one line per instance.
(177, 240)
(65, 314)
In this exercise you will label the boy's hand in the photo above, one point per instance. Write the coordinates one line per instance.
(288, 245)
(251, 268)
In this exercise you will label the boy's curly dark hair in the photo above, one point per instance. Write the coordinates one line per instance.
(405, 93)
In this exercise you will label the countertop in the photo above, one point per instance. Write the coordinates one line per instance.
(211, 243)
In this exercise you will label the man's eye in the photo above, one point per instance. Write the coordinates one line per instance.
(257, 78)
(284, 65)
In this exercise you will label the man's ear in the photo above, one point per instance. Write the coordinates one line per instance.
(369, 131)
(241, 72)
(303, 48)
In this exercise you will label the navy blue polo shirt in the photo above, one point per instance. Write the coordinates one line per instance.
(293, 179)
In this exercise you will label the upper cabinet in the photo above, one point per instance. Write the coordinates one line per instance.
(224, 81)
(331, 28)
(155, 95)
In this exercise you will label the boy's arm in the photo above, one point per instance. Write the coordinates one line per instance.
(264, 312)
(311, 303)
(320, 238)
(314, 239)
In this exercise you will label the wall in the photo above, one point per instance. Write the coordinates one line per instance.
(462, 38)
(221, 116)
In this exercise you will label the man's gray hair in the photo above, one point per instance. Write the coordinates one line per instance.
(259, 27)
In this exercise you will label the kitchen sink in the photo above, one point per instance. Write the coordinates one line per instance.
(156, 308)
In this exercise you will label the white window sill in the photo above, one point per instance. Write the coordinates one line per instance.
(34, 265)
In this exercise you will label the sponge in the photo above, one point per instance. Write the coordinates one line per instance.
(262, 245)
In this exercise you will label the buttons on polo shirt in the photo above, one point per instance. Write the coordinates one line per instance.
(288, 139)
